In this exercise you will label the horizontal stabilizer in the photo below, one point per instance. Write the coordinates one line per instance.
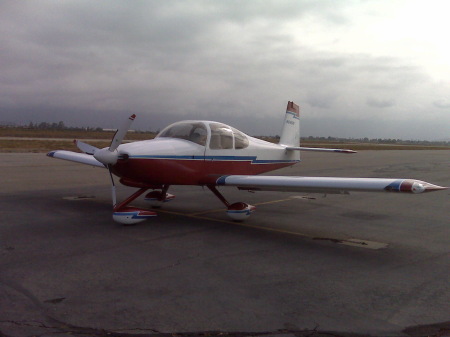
(318, 149)
(326, 184)
(75, 157)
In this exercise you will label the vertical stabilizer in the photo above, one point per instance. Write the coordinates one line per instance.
(290, 133)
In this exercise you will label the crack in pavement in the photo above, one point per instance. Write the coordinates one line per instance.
(433, 330)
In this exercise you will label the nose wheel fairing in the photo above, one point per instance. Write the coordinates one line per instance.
(128, 215)
(131, 215)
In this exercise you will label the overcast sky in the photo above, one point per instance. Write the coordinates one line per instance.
(377, 69)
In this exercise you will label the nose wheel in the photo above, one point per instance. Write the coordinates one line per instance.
(239, 211)
(129, 215)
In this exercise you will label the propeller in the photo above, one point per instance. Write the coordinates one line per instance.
(86, 148)
(109, 156)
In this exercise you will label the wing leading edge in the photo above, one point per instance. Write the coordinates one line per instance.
(75, 157)
(318, 149)
(326, 184)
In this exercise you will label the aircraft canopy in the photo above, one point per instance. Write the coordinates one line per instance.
(221, 136)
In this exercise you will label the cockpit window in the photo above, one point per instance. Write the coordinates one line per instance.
(240, 139)
(221, 137)
(194, 132)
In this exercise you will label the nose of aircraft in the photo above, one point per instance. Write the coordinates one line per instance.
(105, 156)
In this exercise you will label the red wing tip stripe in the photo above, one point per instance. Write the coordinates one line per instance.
(413, 186)
(132, 117)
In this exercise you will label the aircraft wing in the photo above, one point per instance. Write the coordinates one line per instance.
(75, 157)
(326, 184)
(318, 149)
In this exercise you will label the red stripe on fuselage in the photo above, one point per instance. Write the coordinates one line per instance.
(188, 172)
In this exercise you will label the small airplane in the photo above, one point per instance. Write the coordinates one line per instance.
(212, 154)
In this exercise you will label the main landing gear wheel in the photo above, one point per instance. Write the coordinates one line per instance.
(157, 198)
(239, 211)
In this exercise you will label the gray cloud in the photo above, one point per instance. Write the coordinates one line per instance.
(442, 103)
(89, 62)
(380, 103)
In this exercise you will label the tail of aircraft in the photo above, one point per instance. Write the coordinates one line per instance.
(290, 133)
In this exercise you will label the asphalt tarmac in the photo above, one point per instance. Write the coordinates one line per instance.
(365, 263)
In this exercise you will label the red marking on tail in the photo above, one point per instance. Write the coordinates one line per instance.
(292, 107)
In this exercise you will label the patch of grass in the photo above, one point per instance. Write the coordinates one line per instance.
(39, 146)
(371, 146)
(63, 141)
(44, 145)
(71, 134)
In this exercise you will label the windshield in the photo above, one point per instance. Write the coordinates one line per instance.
(192, 131)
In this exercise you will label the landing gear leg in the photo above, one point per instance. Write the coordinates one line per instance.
(158, 198)
(239, 211)
(129, 215)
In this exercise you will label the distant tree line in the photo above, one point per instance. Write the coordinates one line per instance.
(61, 126)
(375, 141)
(58, 126)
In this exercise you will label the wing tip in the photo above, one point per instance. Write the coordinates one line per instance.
(432, 188)
(413, 186)
(345, 151)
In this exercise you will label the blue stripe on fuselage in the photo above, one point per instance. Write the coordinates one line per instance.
(252, 159)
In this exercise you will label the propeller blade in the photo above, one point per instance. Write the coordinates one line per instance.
(120, 133)
(86, 148)
(113, 187)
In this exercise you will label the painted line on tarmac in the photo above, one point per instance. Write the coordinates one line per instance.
(360, 243)
(257, 204)
(235, 223)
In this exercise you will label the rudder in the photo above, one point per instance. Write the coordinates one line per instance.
(290, 133)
